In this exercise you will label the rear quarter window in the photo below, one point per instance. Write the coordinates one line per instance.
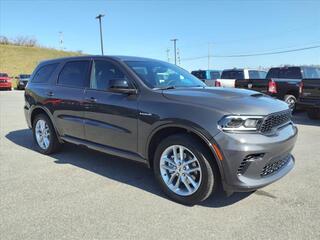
(44, 73)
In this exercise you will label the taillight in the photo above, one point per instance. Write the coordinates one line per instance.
(300, 88)
(272, 87)
(217, 83)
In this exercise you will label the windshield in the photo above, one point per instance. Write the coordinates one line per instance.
(24, 76)
(3, 75)
(156, 74)
(232, 74)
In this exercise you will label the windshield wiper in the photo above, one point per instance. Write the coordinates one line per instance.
(164, 88)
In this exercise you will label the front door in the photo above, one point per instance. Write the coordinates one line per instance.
(110, 118)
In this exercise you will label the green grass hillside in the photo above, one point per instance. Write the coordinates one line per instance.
(19, 59)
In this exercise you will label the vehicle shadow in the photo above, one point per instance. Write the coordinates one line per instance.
(300, 117)
(118, 169)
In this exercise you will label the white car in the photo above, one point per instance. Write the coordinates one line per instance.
(229, 76)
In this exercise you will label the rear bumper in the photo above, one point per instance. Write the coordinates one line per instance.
(307, 104)
(252, 161)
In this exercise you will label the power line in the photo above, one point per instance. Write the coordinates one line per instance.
(254, 54)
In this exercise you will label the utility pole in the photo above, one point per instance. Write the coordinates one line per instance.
(175, 49)
(168, 55)
(101, 40)
(61, 40)
(178, 56)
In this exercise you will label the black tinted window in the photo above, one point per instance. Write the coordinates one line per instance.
(3, 75)
(44, 73)
(273, 73)
(232, 74)
(102, 73)
(200, 74)
(74, 74)
(290, 72)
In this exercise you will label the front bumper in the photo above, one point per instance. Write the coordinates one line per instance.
(252, 161)
(5, 85)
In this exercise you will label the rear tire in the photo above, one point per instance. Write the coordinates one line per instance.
(291, 100)
(313, 113)
(44, 135)
(192, 182)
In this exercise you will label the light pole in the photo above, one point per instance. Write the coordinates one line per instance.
(101, 40)
(175, 49)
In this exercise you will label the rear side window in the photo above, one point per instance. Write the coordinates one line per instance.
(44, 73)
(232, 74)
(74, 74)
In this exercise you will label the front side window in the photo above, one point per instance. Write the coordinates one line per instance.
(157, 74)
(101, 74)
(200, 74)
(44, 73)
(74, 74)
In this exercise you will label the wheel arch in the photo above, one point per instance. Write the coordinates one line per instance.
(169, 129)
(42, 110)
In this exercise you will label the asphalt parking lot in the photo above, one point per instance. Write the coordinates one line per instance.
(81, 194)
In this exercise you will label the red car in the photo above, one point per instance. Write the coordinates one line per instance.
(5, 81)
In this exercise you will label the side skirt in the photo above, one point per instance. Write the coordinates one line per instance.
(105, 149)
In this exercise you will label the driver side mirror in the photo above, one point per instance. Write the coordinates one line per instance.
(121, 86)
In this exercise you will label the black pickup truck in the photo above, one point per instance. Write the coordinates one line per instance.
(310, 97)
(281, 82)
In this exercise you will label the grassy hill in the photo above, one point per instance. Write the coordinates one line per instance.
(19, 59)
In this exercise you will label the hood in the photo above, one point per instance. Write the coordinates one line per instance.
(229, 100)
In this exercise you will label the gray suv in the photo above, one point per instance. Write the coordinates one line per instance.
(194, 137)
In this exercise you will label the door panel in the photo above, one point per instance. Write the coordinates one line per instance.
(68, 98)
(111, 119)
(69, 111)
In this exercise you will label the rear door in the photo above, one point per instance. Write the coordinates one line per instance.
(68, 98)
(111, 118)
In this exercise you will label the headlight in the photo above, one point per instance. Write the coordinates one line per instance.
(240, 123)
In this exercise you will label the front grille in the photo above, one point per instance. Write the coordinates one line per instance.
(275, 120)
(3, 81)
(274, 166)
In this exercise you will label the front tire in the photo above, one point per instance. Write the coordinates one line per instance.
(44, 135)
(182, 168)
